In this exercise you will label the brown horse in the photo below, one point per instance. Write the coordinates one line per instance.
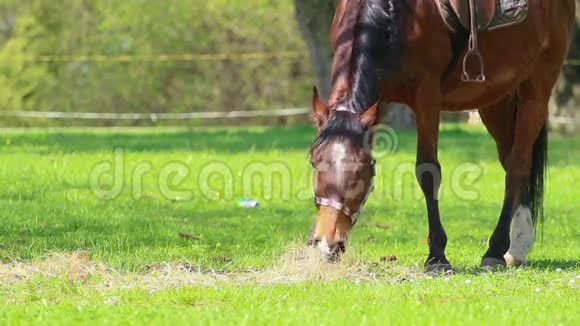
(403, 51)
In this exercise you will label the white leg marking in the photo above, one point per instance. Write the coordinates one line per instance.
(522, 237)
(323, 247)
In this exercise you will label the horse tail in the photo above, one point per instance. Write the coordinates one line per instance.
(538, 175)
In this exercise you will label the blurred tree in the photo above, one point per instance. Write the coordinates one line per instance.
(149, 29)
(314, 18)
(18, 78)
(567, 98)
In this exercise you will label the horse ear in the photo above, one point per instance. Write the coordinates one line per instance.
(370, 116)
(319, 109)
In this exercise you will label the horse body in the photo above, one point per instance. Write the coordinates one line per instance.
(511, 54)
(419, 65)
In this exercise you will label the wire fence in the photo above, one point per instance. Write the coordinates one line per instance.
(192, 57)
(154, 117)
(184, 116)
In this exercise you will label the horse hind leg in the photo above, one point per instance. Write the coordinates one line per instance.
(499, 119)
(530, 211)
(526, 173)
(525, 165)
(526, 160)
(522, 237)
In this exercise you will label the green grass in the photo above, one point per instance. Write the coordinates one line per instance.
(47, 206)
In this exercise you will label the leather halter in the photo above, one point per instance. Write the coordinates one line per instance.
(344, 108)
(341, 207)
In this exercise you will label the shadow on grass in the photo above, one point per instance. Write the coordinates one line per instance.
(458, 142)
(228, 140)
(554, 264)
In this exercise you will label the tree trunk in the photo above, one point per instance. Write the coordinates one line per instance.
(398, 116)
(567, 99)
(6, 27)
(314, 18)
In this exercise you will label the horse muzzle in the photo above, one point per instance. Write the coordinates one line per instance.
(330, 233)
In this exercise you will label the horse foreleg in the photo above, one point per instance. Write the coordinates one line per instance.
(428, 172)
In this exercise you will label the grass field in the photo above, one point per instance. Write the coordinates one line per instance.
(143, 226)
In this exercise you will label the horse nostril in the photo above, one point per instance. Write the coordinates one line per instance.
(341, 247)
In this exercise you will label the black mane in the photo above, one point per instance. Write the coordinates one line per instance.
(377, 50)
(341, 126)
(376, 54)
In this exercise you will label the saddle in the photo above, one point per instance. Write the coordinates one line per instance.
(489, 14)
(477, 16)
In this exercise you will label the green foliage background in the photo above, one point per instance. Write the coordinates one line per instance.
(31, 28)
(35, 28)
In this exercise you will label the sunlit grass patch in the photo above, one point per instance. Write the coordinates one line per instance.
(69, 256)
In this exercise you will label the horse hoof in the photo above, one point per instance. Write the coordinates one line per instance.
(491, 264)
(439, 268)
(513, 261)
